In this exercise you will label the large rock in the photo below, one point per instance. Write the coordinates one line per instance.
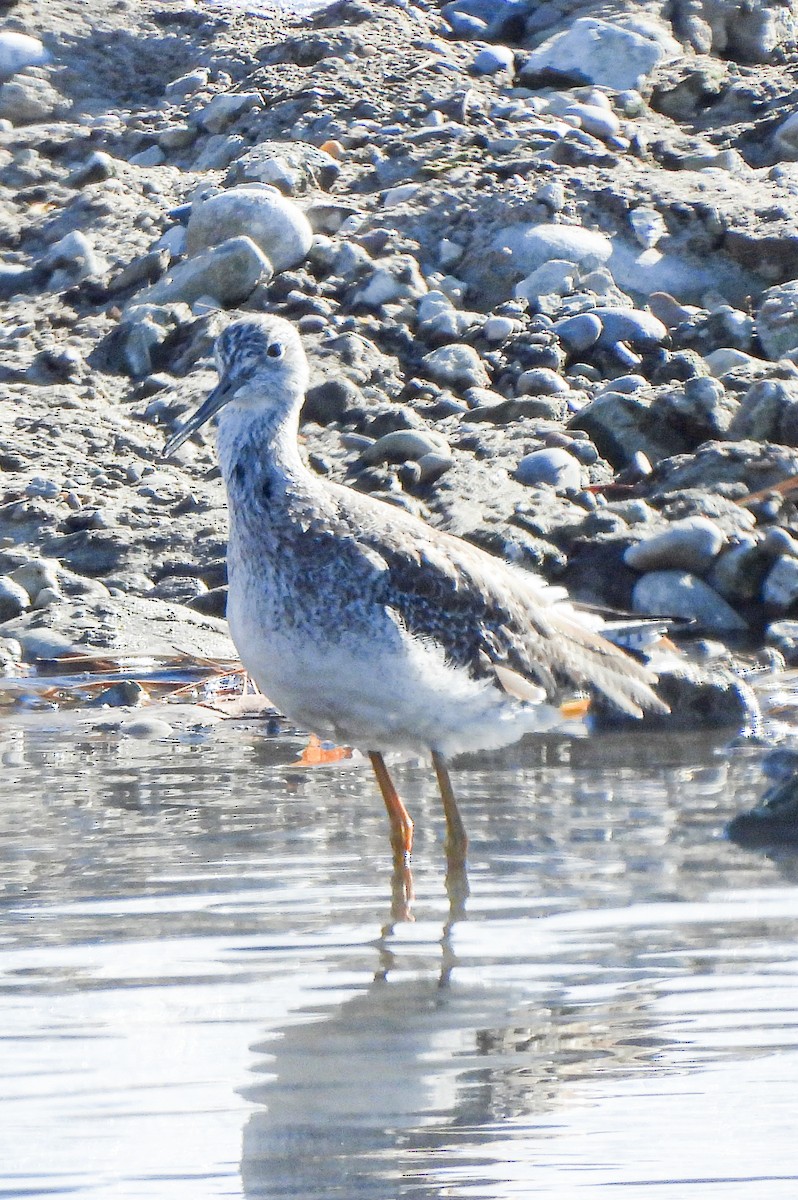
(530, 246)
(221, 110)
(753, 465)
(749, 32)
(291, 166)
(698, 697)
(622, 425)
(595, 51)
(29, 98)
(257, 211)
(680, 594)
(690, 545)
(768, 412)
(17, 51)
(228, 273)
(777, 320)
(457, 366)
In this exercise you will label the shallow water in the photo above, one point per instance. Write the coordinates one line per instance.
(201, 993)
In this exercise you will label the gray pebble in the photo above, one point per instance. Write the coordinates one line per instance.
(579, 333)
(498, 328)
(554, 467)
(457, 366)
(228, 272)
(404, 445)
(681, 594)
(631, 325)
(153, 156)
(689, 545)
(148, 727)
(13, 598)
(224, 108)
(540, 381)
(274, 223)
(780, 589)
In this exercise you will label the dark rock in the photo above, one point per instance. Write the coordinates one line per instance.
(751, 465)
(773, 822)
(212, 603)
(699, 698)
(125, 694)
(620, 425)
(332, 400)
(597, 574)
(768, 412)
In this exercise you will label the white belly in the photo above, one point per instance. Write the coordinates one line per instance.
(380, 696)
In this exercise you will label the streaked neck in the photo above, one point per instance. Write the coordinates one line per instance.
(268, 437)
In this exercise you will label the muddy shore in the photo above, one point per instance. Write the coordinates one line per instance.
(544, 259)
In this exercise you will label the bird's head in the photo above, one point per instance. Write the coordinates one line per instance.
(262, 369)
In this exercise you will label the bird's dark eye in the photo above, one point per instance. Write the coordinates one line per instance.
(274, 350)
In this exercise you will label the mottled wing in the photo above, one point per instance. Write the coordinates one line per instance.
(485, 612)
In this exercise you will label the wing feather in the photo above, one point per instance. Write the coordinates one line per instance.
(486, 613)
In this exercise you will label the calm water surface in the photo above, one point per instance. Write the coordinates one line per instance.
(202, 994)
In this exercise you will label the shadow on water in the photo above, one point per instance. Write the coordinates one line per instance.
(202, 992)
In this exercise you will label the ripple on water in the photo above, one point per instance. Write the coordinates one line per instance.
(202, 994)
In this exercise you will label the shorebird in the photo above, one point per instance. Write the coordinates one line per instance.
(364, 624)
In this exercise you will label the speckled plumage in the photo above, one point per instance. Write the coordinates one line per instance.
(359, 620)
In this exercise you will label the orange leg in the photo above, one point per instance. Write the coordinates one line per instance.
(401, 840)
(457, 887)
(456, 836)
(399, 817)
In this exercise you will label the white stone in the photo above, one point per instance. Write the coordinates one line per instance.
(456, 366)
(531, 246)
(602, 53)
(780, 589)
(554, 278)
(17, 51)
(399, 194)
(553, 467)
(225, 107)
(449, 252)
(497, 329)
(492, 59)
(229, 272)
(274, 223)
(186, 85)
(72, 258)
(648, 225)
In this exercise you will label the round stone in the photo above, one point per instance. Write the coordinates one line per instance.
(554, 467)
(457, 366)
(13, 598)
(681, 594)
(689, 545)
(258, 211)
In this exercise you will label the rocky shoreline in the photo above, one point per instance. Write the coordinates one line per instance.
(544, 258)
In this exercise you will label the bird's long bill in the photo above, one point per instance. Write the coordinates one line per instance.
(216, 400)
